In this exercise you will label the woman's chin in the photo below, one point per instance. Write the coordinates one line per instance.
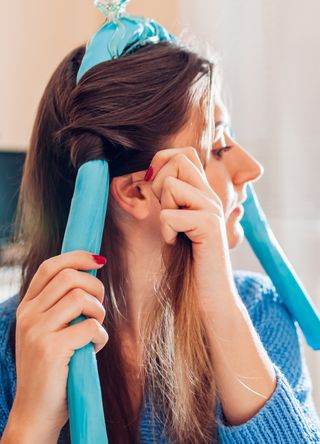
(235, 232)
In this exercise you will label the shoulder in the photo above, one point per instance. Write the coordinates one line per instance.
(262, 301)
(254, 288)
(260, 298)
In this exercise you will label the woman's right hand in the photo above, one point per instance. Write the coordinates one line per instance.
(58, 293)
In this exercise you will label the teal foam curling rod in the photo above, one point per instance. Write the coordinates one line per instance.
(84, 231)
(277, 266)
(120, 34)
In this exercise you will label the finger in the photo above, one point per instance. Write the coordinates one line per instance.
(178, 194)
(161, 157)
(195, 224)
(58, 287)
(79, 260)
(80, 334)
(183, 168)
(62, 284)
(72, 305)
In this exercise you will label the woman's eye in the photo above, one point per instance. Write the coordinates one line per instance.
(218, 152)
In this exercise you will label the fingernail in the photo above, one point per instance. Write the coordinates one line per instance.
(149, 174)
(101, 260)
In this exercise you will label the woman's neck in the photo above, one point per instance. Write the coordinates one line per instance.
(144, 265)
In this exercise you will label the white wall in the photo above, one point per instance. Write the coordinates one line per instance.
(164, 11)
(270, 56)
(35, 36)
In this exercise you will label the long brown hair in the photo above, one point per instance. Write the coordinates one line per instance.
(124, 111)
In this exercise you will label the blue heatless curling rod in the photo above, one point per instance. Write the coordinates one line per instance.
(84, 232)
(278, 268)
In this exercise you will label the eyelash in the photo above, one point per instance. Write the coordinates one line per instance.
(217, 152)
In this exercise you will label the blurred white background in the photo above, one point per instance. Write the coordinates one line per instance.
(271, 65)
(270, 58)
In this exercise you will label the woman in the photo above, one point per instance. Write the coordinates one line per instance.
(188, 350)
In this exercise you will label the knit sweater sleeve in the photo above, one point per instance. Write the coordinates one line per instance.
(289, 415)
(7, 364)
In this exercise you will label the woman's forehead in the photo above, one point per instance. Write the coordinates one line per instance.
(199, 125)
(220, 116)
(221, 113)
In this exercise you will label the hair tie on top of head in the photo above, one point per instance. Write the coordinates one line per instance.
(120, 34)
(112, 9)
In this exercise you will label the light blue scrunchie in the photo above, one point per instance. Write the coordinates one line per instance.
(123, 35)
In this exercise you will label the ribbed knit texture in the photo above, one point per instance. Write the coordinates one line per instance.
(288, 417)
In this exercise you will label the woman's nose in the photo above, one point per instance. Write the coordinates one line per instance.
(247, 168)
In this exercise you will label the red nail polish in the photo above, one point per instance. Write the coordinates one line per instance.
(101, 260)
(149, 174)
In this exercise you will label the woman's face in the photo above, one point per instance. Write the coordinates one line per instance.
(228, 171)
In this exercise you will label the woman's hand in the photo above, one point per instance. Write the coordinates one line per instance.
(190, 205)
(58, 293)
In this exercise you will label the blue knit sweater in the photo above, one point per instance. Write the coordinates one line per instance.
(288, 416)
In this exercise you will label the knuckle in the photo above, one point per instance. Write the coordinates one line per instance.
(22, 319)
(102, 308)
(77, 295)
(67, 274)
(192, 150)
(45, 267)
(155, 186)
(103, 313)
(104, 333)
(180, 157)
(100, 287)
(82, 254)
(157, 156)
(94, 325)
(168, 181)
(163, 215)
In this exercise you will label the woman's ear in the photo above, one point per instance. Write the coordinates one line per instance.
(132, 194)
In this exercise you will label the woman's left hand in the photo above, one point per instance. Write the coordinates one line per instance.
(235, 346)
(190, 205)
